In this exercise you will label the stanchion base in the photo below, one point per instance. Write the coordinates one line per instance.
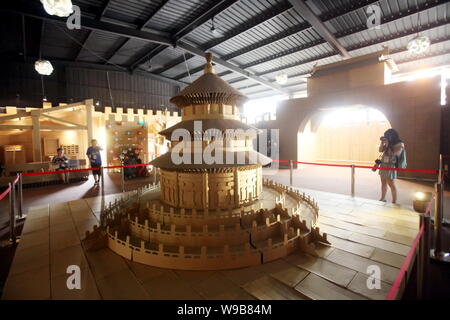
(440, 256)
(9, 243)
(23, 217)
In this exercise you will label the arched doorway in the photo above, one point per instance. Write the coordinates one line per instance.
(342, 135)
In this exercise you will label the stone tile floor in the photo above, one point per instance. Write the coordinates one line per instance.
(362, 232)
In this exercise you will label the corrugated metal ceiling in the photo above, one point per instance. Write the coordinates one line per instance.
(244, 30)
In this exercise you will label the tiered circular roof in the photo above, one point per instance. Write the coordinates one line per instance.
(209, 89)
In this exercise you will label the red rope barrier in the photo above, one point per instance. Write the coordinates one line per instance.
(399, 169)
(128, 166)
(26, 174)
(324, 164)
(84, 169)
(402, 273)
(357, 166)
(4, 193)
(280, 161)
(15, 181)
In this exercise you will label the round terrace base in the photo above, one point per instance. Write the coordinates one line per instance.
(145, 230)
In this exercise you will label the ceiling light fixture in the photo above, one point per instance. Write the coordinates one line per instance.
(213, 29)
(419, 44)
(60, 8)
(281, 78)
(43, 67)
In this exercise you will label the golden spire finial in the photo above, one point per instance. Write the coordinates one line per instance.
(209, 66)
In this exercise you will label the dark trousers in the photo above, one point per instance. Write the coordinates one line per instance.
(96, 172)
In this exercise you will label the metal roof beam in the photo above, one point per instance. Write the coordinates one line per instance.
(286, 33)
(353, 31)
(115, 68)
(184, 31)
(380, 40)
(260, 19)
(341, 34)
(399, 62)
(24, 38)
(206, 16)
(41, 37)
(199, 52)
(265, 16)
(305, 11)
(32, 10)
(336, 13)
(147, 56)
(155, 12)
(103, 9)
(100, 14)
(175, 62)
(142, 26)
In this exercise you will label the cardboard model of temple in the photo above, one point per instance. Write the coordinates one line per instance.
(210, 215)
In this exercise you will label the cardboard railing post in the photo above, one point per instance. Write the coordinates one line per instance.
(291, 169)
(352, 167)
(122, 172)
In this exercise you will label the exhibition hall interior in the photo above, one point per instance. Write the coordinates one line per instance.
(224, 150)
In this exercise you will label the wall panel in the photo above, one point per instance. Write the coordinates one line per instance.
(20, 85)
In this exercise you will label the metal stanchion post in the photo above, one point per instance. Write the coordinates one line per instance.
(12, 213)
(426, 264)
(122, 171)
(103, 180)
(438, 217)
(352, 167)
(437, 252)
(424, 258)
(20, 197)
(420, 263)
(154, 175)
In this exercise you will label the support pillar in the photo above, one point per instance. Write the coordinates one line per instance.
(236, 187)
(89, 111)
(205, 191)
(37, 145)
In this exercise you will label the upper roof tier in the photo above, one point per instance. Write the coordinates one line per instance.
(208, 89)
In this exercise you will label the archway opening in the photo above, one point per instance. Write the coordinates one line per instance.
(342, 135)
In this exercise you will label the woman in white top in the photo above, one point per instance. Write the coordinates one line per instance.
(391, 146)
